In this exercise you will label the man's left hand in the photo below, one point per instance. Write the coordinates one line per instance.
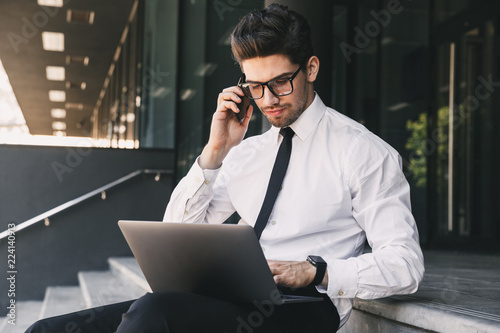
(292, 274)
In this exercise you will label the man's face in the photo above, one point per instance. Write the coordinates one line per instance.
(281, 111)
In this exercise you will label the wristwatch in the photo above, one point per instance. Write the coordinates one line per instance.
(320, 265)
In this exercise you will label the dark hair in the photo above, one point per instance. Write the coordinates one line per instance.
(273, 30)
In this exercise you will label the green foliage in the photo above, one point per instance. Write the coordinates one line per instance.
(416, 144)
(421, 146)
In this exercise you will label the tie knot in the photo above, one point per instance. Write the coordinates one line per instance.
(287, 132)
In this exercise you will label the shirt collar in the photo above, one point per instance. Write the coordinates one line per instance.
(307, 121)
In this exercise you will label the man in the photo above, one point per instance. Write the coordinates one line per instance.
(343, 185)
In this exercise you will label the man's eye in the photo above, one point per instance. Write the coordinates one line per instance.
(255, 86)
(280, 82)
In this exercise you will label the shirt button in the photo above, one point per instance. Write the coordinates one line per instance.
(273, 222)
(185, 212)
(207, 182)
(341, 293)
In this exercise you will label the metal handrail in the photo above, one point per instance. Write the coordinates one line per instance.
(101, 190)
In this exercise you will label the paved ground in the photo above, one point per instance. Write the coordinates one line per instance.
(459, 280)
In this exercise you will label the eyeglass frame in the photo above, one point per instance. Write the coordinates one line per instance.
(242, 79)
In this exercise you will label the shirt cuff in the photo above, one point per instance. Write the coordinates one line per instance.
(209, 175)
(342, 278)
(198, 176)
(196, 188)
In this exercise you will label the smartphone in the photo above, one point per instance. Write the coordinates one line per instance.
(243, 106)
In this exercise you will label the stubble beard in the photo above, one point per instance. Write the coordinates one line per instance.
(291, 115)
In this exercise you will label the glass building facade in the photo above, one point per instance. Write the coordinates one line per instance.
(423, 75)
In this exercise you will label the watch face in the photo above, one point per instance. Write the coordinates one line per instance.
(316, 260)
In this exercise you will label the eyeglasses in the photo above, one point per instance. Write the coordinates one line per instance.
(278, 87)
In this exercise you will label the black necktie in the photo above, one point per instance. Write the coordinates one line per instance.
(277, 175)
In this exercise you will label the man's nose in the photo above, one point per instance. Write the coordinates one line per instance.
(269, 98)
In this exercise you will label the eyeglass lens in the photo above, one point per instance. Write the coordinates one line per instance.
(279, 87)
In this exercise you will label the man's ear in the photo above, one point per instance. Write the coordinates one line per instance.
(312, 68)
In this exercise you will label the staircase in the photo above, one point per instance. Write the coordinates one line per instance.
(123, 281)
(459, 294)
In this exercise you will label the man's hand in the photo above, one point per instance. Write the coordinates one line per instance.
(292, 274)
(225, 131)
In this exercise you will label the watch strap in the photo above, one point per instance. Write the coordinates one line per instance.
(320, 265)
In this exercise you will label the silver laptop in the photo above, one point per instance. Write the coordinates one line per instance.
(223, 261)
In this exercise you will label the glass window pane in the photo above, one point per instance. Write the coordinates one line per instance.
(447, 8)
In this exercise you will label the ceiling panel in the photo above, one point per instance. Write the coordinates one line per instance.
(25, 61)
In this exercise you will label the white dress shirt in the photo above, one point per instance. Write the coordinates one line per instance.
(343, 185)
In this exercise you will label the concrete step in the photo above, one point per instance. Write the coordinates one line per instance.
(127, 268)
(421, 312)
(101, 288)
(460, 293)
(62, 300)
(26, 313)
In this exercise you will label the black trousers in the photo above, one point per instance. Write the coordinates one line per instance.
(182, 312)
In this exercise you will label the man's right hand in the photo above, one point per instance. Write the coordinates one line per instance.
(226, 131)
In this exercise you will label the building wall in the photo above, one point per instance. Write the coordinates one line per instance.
(36, 179)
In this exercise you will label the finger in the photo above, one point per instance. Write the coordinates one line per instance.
(248, 116)
(225, 98)
(227, 105)
(231, 93)
(235, 89)
(282, 280)
(273, 265)
(273, 268)
(226, 93)
(275, 262)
